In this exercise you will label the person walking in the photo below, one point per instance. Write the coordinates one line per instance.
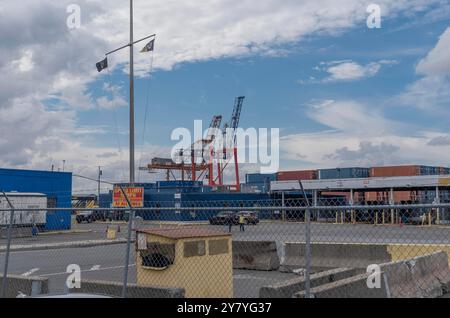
(241, 223)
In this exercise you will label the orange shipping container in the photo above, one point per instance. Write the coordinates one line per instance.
(297, 175)
(399, 196)
(395, 171)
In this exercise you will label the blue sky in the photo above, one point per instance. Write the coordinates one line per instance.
(278, 88)
(340, 93)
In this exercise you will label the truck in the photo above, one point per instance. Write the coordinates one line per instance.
(21, 200)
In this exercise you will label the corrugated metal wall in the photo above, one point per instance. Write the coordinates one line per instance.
(56, 185)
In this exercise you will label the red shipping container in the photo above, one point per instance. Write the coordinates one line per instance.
(395, 171)
(399, 196)
(336, 194)
(371, 196)
(297, 175)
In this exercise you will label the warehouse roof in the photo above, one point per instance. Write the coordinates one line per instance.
(399, 183)
(183, 232)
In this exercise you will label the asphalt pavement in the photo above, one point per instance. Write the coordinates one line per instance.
(106, 262)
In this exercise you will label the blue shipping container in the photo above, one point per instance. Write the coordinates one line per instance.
(343, 173)
(260, 177)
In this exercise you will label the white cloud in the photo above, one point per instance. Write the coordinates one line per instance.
(359, 136)
(42, 58)
(432, 91)
(437, 62)
(348, 70)
(351, 117)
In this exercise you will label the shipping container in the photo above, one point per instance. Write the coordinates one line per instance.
(297, 175)
(405, 171)
(395, 171)
(343, 173)
(330, 194)
(384, 196)
(24, 201)
(253, 188)
(162, 162)
(427, 171)
(260, 177)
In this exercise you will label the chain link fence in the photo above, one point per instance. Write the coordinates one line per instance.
(279, 248)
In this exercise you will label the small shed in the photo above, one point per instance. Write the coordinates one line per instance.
(194, 258)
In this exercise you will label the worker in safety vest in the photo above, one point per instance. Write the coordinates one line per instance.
(241, 223)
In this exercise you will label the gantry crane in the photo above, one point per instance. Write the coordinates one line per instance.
(188, 158)
(230, 142)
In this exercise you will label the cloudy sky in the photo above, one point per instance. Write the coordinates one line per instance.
(342, 94)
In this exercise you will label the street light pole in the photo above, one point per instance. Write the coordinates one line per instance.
(132, 172)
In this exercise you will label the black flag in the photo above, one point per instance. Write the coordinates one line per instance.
(102, 65)
(149, 47)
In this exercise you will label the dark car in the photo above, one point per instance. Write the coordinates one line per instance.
(249, 217)
(91, 216)
(224, 218)
(84, 216)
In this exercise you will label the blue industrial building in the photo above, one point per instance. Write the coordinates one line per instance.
(57, 186)
(191, 194)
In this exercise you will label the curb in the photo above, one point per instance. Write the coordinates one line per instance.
(63, 245)
(64, 232)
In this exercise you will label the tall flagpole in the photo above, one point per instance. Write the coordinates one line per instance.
(132, 172)
(104, 64)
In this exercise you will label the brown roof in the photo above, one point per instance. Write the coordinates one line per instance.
(183, 232)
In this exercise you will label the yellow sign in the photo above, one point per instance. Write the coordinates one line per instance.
(444, 181)
(135, 196)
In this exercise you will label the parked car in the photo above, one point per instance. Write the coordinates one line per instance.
(91, 216)
(84, 216)
(224, 218)
(249, 217)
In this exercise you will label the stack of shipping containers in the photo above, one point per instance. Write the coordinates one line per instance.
(258, 182)
(405, 171)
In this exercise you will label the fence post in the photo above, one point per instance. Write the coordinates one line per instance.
(127, 256)
(307, 243)
(8, 248)
(308, 254)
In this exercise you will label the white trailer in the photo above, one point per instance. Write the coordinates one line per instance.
(24, 201)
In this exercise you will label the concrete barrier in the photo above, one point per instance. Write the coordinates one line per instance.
(29, 286)
(402, 252)
(353, 287)
(431, 273)
(258, 255)
(425, 276)
(334, 255)
(114, 289)
(400, 280)
(288, 288)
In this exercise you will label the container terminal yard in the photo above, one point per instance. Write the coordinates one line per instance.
(356, 137)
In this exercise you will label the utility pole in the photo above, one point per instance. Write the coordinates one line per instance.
(99, 176)
(64, 165)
